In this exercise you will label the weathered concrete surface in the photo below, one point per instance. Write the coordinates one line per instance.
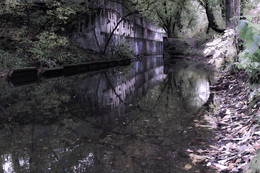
(93, 31)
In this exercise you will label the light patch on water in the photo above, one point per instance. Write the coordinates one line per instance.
(8, 163)
(84, 164)
(24, 162)
(203, 90)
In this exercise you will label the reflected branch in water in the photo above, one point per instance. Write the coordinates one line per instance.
(15, 161)
(2, 163)
(31, 158)
(165, 83)
(113, 88)
(5, 113)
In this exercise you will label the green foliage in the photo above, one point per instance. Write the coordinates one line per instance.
(251, 63)
(254, 165)
(250, 4)
(44, 48)
(6, 60)
(249, 59)
(249, 32)
(169, 14)
(10, 60)
(121, 51)
(37, 32)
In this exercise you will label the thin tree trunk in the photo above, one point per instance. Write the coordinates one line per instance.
(230, 14)
(237, 13)
(238, 7)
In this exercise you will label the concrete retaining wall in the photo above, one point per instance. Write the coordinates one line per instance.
(93, 31)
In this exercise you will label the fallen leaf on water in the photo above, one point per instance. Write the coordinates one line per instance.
(158, 158)
(196, 158)
(187, 167)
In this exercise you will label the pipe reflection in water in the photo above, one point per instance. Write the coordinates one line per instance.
(120, 120)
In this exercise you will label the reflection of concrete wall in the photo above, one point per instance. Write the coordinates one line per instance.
(97, 90)
(93, 31)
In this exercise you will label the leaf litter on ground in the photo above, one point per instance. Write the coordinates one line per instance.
(236, 127)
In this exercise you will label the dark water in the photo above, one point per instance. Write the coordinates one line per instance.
(126, 119)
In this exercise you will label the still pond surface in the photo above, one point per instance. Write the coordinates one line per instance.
(126, 119)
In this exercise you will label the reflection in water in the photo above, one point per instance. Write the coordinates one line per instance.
(192, 83)
(112, 88)
(125, 119)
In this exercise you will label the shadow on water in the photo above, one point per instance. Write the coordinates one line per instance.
(126, 119)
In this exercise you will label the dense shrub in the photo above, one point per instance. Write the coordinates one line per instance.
(249, 58)
(121, 51)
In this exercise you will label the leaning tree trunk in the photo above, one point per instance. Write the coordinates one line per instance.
(238, 7)
(211, 18)
(237, 13)
(230, 11)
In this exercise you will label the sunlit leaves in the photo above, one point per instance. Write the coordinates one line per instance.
(242, 26)
(250, 18)
(221, 47)
(249, 59)
(253, 47)
(249, 32)
(257, 39)
(246, 62)
(62, 12)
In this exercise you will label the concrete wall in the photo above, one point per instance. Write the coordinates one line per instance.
(93, 31)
